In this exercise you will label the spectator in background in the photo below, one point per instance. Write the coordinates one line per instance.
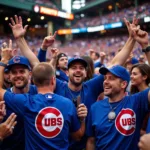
(61, 67)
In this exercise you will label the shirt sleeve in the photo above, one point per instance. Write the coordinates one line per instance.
(96, 85)
(42, 55)
(89, 128)
(16, 102)
(75, 123)
(141, 100)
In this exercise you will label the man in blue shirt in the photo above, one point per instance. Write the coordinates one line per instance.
(20, 75)
(48, 117)
(61, 67)
(87, 91)
(115, 122)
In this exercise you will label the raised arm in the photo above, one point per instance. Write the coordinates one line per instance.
(47, 42)
(19, 32)
(6, 54)
(122, 56)
(142, 38)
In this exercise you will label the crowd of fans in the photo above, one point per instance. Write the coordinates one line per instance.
(141, 11)
(109, 45)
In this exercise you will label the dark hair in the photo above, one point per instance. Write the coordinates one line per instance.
(58, 57)
(97, 54)
(90, 67)
(144, 70)
(42, 73)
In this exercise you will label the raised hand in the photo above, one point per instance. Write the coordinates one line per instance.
(17, 27)
(48, 41)
(54, 52)
(131, 26)
(7, 127)
(141, 37)
(2, 110)
(6, 51)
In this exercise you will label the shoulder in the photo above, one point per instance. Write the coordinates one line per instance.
(99, 104)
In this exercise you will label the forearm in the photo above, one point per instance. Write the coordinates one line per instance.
(53, 62)
(22, 44)
(79, 134)
(90, 144)
(2, 72)
(122, 56)
(148, 57)
(42, 55)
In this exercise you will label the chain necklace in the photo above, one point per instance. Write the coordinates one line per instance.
(112, 114)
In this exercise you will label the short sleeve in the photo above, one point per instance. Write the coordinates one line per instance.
(16, 102)
(141, 99)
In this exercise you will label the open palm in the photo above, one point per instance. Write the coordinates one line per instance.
(17, 28)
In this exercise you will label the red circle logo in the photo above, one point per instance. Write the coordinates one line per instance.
(49, 122)
(126, 122)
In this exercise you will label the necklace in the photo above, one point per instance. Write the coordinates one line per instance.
(112, 114)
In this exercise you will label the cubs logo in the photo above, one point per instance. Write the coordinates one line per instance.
(49, 122)
(126, 122)
(16, 59)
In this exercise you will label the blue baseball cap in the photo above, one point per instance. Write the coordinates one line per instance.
(118, 71)
(18, 60)
(77, 59)
(134, 61)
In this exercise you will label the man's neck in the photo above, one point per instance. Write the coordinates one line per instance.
(45, 90)
(64, 70)
(73, 87)
(117, 97)
(20, 91)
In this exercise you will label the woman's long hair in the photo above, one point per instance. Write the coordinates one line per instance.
(144, 70)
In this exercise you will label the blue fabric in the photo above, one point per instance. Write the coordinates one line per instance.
(118, 71)
(16, 141)
(42, 55)
(123, 132)
(97, 64)
(148, 126)
(19, 60)
(89, 93)
(61, 75)
(48, 119)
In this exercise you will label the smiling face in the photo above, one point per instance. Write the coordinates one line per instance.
(77, 73)
(113, 85)
(19, 76)
(137, 78)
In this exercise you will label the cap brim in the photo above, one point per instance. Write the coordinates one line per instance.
(10, 66)
(78, 60)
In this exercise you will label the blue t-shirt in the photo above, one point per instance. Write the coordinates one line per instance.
(88, 94)
(16, 141)
(123, 132)
(48, 119)
(61, 75)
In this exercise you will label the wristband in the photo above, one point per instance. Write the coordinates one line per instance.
(147, 49)
(3, 65)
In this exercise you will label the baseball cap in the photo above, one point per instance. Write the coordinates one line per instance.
(18, 60)
(118, 71)
(134, 61)
(77, 59)
(61, 55)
